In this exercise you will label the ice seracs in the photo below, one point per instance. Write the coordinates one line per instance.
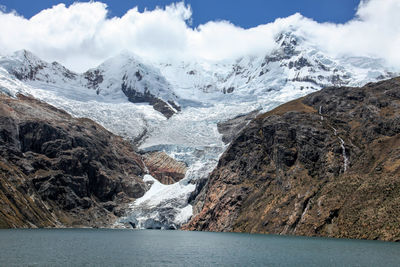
(162, 206)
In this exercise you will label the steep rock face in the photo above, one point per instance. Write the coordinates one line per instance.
(56, 170)
(231, 127)
(324, 165)
(164, 168)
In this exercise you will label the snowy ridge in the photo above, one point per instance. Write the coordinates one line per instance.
(199, 94)
(118, 78)
(126, 70)
(26, 67)
(294, 64)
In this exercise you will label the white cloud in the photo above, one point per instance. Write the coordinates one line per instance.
(374, 32)
(82, 36)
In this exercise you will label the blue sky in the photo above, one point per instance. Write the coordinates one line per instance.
(244, 13)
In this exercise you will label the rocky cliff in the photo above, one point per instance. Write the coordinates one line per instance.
(59, 171)
(327, 164)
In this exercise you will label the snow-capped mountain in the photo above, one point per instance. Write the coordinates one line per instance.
(119, 77)
(294, 64)
(193, 95)
(25, 66)
(139, 82)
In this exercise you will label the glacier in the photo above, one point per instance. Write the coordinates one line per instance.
(199, 94)
(162, 206)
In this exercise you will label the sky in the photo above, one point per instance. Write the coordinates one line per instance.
(243, 13)
(82, 35)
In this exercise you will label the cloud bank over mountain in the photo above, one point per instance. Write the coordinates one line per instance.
(82, 35)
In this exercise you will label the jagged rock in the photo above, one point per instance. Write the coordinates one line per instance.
(324, 165)
(56, 170)
(164, 168)
(198, 196)
(167, 108)
(230, 128)
(94, 78)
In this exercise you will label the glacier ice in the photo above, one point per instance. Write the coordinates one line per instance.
(162, 206)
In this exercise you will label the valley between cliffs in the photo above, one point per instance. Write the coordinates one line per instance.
(327, 164)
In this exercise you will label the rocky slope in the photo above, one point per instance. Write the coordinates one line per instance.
(59, 171)
(231, 127)
(327, 164)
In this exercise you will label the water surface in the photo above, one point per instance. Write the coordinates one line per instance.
(98, 247)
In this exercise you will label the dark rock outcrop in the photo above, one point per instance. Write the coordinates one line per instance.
(324, 165)
(231, 127)
(59, 171)
(167, 108)
(94, 78)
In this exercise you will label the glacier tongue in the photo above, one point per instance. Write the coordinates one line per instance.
(162, 207)
(167, 206)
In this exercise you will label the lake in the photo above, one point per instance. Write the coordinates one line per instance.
(98, 247)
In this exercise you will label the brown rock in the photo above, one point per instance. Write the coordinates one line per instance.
(164, 168)
(56, 170)
(288, 172)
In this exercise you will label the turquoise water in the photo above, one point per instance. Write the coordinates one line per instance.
(96, 247)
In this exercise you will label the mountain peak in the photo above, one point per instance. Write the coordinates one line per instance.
(125, 57)
(26, 56)
(288, 40)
